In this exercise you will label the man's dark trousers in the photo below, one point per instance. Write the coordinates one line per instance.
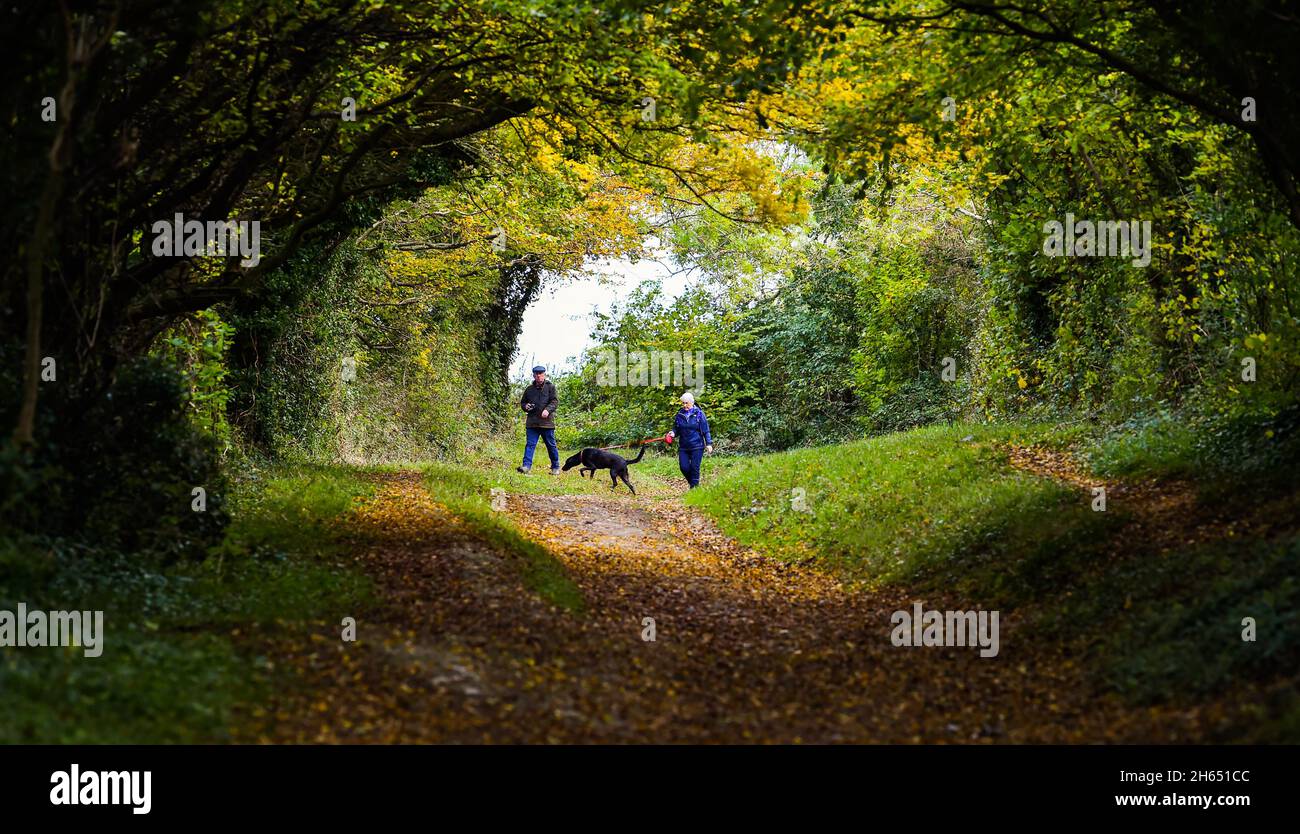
(551, 449)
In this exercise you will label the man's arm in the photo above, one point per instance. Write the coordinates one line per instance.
(555, 400)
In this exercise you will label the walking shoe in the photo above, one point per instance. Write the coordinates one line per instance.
(523, 469)
(555, 470)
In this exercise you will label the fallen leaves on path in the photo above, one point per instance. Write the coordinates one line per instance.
(1164, 515)
(745, 648)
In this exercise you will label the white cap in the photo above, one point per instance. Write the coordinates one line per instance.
(688, 397)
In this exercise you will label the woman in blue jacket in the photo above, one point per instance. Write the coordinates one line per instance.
(691, 430)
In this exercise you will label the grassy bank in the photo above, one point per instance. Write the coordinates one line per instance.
(173, 667)
(938, 505)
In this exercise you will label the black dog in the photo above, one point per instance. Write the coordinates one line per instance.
(592, 459)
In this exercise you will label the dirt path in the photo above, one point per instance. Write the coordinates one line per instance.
(745, 648)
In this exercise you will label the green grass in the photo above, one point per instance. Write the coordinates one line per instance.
(171, 668)
(925, 506)
(1173, 624)
(290, 507)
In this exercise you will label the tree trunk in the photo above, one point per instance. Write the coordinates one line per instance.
(82, 47)
(24, 432)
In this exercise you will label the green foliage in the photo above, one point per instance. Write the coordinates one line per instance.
(178, 690)
(845, 321)
(198, 346)
(124, 471)
(829, 318)
(808, 395)
(694, 326)
(246, 132)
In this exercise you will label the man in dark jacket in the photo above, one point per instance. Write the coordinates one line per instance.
(691, 430)
(539, 402)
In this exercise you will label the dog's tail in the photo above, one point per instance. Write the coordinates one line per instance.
(638, 457)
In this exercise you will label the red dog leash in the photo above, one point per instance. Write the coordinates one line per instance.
(664, 439)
